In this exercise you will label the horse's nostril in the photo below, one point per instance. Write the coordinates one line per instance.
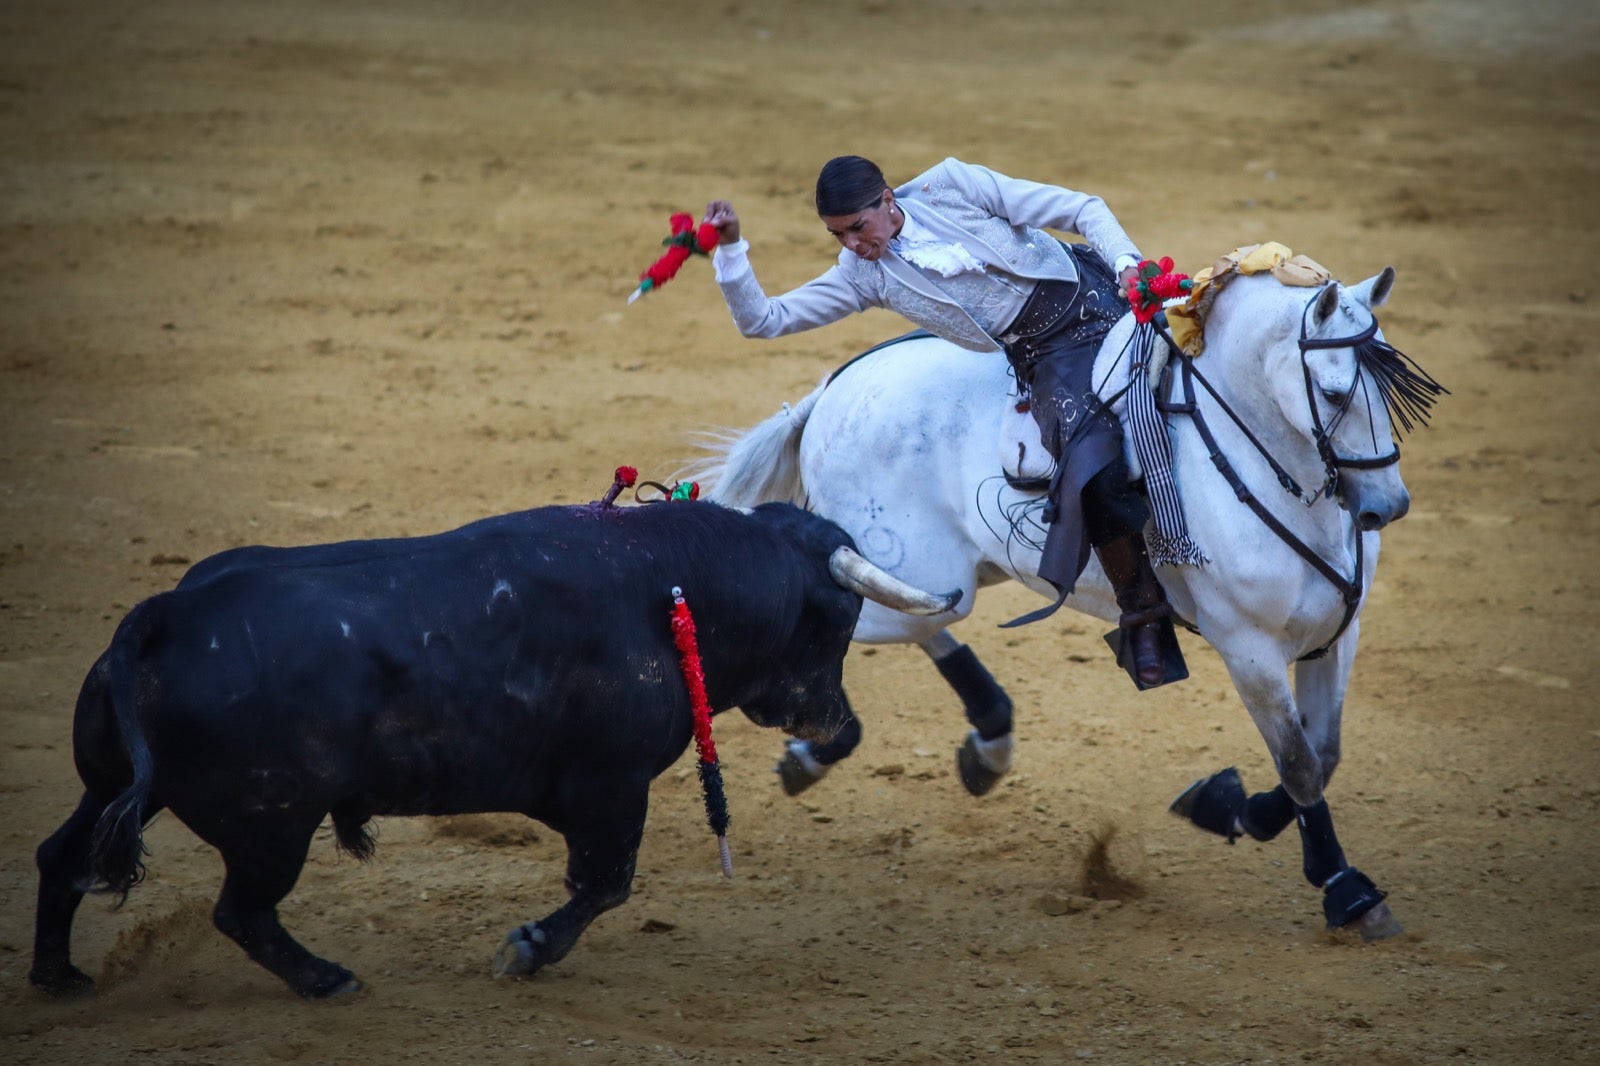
(1371, 521)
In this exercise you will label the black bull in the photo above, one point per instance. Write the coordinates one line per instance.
(521, 663)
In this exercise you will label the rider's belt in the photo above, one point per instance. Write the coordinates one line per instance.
(1046, 306)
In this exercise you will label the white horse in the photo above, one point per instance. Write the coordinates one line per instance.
(1295, 389)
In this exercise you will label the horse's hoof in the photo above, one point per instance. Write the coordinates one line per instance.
(1379, 923)
(1214, 803)
(976, 776)
(1351, 901)
(797, 771)
(522, 955)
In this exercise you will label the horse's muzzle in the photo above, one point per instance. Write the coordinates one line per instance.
(1372, 516)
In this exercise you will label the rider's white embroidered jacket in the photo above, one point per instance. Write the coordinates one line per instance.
(999, 219)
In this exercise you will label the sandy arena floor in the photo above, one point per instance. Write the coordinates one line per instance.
(292, 272)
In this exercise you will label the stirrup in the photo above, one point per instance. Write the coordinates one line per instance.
(1172, 665)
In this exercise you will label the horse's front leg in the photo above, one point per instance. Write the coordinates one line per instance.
(1260, 671)
(1349, 896)
(1220, 804)
(1304, 745)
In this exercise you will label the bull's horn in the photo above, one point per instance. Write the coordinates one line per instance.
(879, 586)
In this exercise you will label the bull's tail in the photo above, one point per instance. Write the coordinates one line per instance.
(762, 464)
(116, 855)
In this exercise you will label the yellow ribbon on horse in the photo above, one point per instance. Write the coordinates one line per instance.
(1186, 321)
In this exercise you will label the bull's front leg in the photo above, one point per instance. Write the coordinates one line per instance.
(604, 817)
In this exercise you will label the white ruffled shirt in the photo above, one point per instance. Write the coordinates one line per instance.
(919, 247)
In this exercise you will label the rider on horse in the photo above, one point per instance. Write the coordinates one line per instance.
(960, 251)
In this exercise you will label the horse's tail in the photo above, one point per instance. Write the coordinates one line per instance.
(116, 856)
(762, 464)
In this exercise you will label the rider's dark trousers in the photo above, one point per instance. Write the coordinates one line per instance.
(1090, 500)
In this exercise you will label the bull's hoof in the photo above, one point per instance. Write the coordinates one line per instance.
(979, 774)
(1214, 803)
(522, 955)
(797, 770)
(64, 982)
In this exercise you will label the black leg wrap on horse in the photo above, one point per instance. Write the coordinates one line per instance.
(1266, 814)
(1323, 856)
(987, 705)
(1348, 895)
(1214, 803)
(843, 743)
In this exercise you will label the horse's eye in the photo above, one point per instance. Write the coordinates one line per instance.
(1336, 397)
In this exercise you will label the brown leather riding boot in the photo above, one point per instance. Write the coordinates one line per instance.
(1143, 602)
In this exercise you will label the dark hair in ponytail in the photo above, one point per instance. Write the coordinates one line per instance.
(847, 184)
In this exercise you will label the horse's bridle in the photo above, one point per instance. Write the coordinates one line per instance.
(1349, 588)
(1333, 462)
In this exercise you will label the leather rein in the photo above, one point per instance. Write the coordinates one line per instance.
(1350, 589)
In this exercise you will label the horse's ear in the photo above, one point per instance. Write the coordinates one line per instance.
(1375, 290)
(1327, 303)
